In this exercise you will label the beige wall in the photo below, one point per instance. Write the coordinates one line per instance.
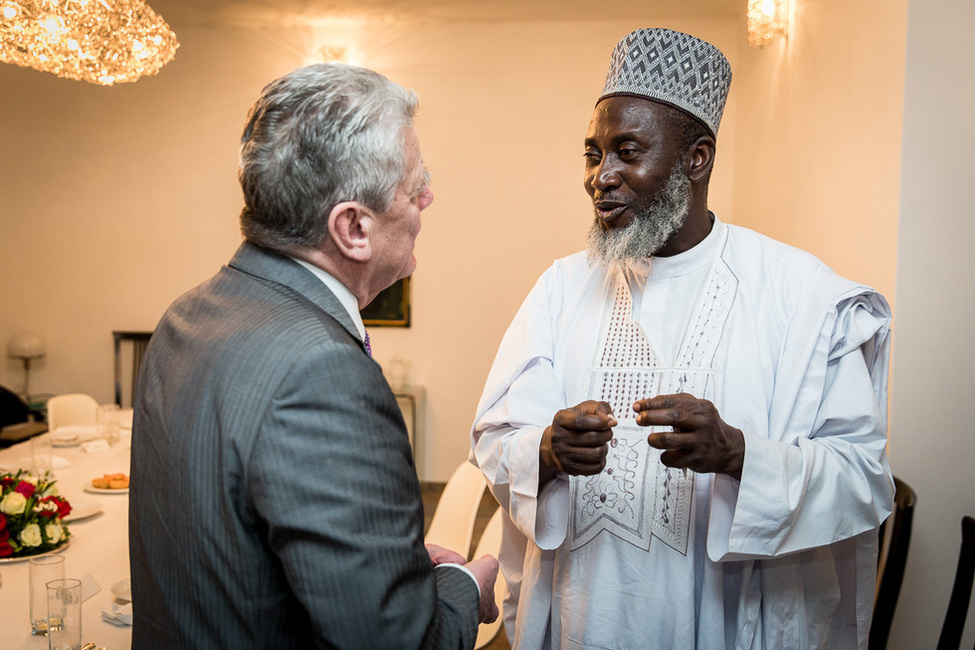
(932, 440)
(116, 200)
(819, 137)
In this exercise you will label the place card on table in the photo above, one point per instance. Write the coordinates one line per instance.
(96, 445)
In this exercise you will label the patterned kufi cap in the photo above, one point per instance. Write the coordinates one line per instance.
(674, 68)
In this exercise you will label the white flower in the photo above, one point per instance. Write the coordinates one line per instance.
(45, 506)
(31, 535)
(13, 504)
(54, 533)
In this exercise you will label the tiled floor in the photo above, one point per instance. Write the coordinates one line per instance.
(431, 494)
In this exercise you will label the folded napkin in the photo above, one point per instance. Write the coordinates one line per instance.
(120, 615)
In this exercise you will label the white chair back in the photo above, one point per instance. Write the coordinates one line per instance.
(71, 409)
(490, 544)
(452, 526)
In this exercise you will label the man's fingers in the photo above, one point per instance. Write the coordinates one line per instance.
(591, 456)
(574, 468)
(585, 439)
(679, 459)
(672, 440)
(603, 408)
(587, 416)
(485, 570)
(576, 421)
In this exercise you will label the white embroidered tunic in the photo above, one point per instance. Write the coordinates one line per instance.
(642, 556)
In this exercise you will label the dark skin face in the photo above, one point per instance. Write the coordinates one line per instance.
(631, 148)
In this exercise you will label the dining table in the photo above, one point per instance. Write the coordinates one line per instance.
(97, 551)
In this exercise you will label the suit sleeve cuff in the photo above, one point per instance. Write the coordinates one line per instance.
(465, 570)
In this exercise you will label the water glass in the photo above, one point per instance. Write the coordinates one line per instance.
(64, 614)
(42, 570)
(108, 422)
(41, 454)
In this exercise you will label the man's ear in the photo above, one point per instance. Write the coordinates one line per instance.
(350, 225)
(700, 159)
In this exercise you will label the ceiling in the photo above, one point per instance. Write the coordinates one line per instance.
(296, 12)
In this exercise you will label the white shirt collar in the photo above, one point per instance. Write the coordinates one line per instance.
(702, 254)
(346, 297)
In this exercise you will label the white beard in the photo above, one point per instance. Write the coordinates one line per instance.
(651, 228)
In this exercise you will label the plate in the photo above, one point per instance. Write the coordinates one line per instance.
(11, 560)
(123, 590)
(82, 509)
(70, 440)
(91, 488)
(72, 436)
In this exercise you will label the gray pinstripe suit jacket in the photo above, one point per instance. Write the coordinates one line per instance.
(274, 500)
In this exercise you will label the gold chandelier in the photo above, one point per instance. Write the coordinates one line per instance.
(99, 41)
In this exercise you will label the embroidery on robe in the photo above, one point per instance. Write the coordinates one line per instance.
(636, 497)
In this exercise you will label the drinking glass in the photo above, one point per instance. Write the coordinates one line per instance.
(42, 570)
(108, 422)
(64, 614)
(41, 454)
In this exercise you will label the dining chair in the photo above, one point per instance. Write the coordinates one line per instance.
(452, 526)
(70, 409)
(961, 592)
(894, 540)
(490, 544)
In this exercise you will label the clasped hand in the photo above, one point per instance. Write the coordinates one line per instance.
(577, 440)
(485, 571)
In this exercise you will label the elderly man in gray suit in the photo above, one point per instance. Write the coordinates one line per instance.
(274, 499)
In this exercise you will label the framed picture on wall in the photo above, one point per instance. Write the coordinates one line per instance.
(391, 308)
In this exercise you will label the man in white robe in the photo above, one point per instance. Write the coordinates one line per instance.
(686, 426)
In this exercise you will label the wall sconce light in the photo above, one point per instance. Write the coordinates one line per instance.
(26, 347)
(767, 20)
(333, 54)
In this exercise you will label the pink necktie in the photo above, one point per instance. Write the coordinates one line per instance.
(366, 342)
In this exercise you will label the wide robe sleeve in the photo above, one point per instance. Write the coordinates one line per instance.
(820, 474)
(520, 398)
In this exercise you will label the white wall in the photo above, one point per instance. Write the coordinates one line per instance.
(932, 438)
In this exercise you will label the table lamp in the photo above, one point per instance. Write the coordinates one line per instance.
(26, 347)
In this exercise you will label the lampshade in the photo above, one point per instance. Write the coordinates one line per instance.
(26, 346)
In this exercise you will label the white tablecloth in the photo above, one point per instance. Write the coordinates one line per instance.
(99, 547)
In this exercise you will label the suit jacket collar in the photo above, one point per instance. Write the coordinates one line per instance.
(274, 267)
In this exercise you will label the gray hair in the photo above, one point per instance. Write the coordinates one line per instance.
(316, 137)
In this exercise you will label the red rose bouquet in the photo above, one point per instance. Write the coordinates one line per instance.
(30, 515)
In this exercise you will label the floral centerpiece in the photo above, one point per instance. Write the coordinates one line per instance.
(31, 514)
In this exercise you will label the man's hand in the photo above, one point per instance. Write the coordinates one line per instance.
(441, 555)
(485, 569)
(576, 442)
(701, 440)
